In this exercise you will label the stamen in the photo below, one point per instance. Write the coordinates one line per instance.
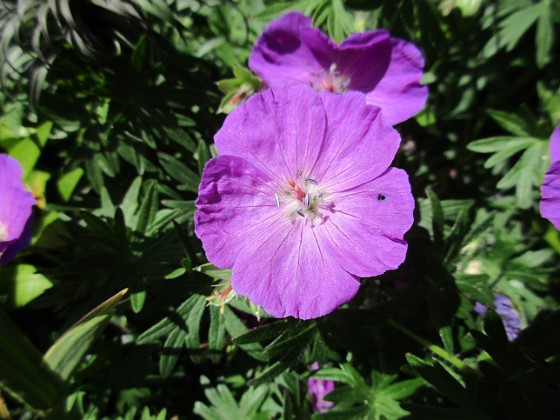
(277, 201)
(300, 213)
(306, 200)
(311, 181)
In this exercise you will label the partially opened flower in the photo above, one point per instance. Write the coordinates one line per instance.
(302, 201)
(550, 188)
(16, 204)
(386, 69)
(504, 307)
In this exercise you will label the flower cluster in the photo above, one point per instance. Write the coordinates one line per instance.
(16, 205)
(388, 70)
(302, 201)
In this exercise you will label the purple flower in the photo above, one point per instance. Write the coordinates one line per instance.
(550, 188)
(387, 70)
(318, 388)
(504, 308)
(302, 201)
(16, 205)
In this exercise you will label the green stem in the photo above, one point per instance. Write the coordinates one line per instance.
(430, 346)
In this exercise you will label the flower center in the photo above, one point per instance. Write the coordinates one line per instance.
(3, 232)
(330, 81)
(300, 198)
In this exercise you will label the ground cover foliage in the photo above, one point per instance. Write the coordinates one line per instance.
(111, 107)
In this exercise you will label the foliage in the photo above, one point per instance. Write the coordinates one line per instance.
(111, 107)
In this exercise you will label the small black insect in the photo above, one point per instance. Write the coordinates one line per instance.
(381, 197)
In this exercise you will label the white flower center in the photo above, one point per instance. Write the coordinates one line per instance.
(3, 232)
(301, 198)
(330, 81)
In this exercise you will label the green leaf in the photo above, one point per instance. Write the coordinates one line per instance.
(27, 153)
(22, 371)
(292, 340)
(235, 327)
(440, 379)
(545, 34)
(203, 155)
(149, 207)
(137, 300)
(21, 284)
(511, 122)
(68, 182)
(499, 143)
(186, 176)
(67, 352)
(265, 332)
(175, 319)
(139, 54)
(216, 334)
(276, 9)
(403, 389)
(170, 353)
(517, 24)
(438, 221)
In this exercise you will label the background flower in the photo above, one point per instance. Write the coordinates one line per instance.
(302, 201)
(504, 308)
(388, 70)
(318, 388)
(550, 189)
(16, 205)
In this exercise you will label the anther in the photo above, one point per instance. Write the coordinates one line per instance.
(277, 201)
(300, 213)
(311, 181)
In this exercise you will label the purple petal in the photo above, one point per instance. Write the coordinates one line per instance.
(318, 389)
(16, 206)
(550, 195)
(289, 273)
(289, 51)
(280, 131)
(550, 188)
(399, 92)
(359, 145)
(234, 205)
(364, 58)
(365, 229)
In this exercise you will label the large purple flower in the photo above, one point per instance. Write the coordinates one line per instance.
(550, 188)
(302, 201)
(387, 70)
(16, 205)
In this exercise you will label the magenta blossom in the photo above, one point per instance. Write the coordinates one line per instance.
(318, 389)
(550, 188)
(16, 205)
(302, 201)
(387, 70)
